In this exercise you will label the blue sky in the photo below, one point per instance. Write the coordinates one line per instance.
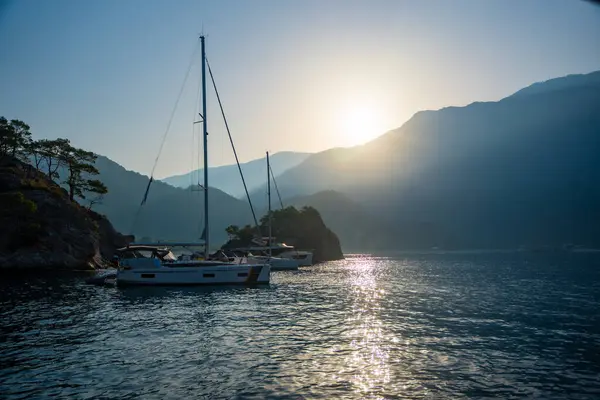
(293, 75)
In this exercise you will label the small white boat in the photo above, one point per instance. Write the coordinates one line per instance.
(154, 265)
(276, 263)
(279, 256)
(303, 258)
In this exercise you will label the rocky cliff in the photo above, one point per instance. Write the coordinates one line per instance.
(304, 229)
(40, 228)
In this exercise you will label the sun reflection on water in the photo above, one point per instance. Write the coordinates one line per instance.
(368, 361)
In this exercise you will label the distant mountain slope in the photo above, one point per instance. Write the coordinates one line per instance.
(227, 178)
(566, 82)
(521, 171)
(170, 213)
(356, 228)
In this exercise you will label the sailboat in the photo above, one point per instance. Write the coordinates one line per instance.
(156, 264)
(276, 263)
(280, 256)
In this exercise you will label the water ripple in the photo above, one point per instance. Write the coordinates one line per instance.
(419, 327)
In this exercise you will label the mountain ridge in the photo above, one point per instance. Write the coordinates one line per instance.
(523, 141)
(570, 80)
(169, 213)
(356, 226)
(519, 171)
(227, 177)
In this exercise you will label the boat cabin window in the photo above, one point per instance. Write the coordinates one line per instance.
(147, 252)
(128, 254)
(136, 254)
(277, 252)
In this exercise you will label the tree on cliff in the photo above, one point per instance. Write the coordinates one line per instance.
(80, 164)
(232, 231)
(14, 138)
(243, 235)
(97, 188)
(290, 221)
(51, 155)
(48, 153)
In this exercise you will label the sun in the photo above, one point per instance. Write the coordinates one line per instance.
(358, 125)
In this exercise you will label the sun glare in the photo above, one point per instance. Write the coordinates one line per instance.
(359, 125)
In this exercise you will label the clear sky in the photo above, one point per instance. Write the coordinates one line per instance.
(302, 75)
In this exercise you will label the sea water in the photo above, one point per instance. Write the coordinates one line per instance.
(393, 325)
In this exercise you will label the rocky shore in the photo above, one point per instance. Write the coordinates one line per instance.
(41, 228)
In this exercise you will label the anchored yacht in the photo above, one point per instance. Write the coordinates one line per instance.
(157, 265)
(278, 250)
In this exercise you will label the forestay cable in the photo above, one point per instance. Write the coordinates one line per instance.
(231, 141)
(276, 188)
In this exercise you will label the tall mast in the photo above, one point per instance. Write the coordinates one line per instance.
(205, 138)
(269, 196)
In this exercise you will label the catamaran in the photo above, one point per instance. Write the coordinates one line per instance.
(156, 264)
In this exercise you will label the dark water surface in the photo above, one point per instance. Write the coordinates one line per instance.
(403, 326)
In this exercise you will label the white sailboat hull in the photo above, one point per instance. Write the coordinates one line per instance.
(303, 258)
(154, 273)
(276, 263)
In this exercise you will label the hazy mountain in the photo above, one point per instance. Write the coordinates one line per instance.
(227, 178)
(170, 213)
(521, 171)
(356, 228)
(566, 82)
(175, 214)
